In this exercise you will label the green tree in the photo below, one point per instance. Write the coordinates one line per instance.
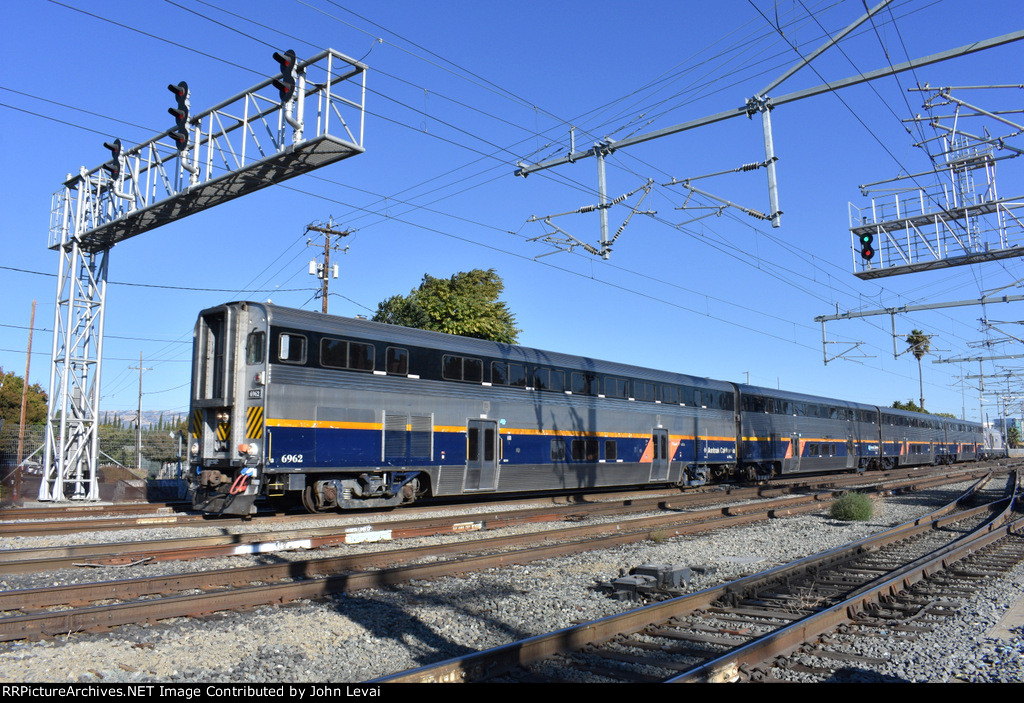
(466, 304)
(1013, 436)
(10, 400)
(909, 405)
(920, 344)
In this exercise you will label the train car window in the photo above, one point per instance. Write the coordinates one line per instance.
(644, 391)
(451, 368)
(812, 449)
(473, 444)
(611, 450)
(584, 383)
(333, 353)
(725, 401)
(254, 345)
(489, 444)
(541, 379)
(616, 387)
(360, 356)
(499, 373)
(670, 394)
(517, 375)
(460, 368)
(557, 381)
(659, 443)
(291, 348)
(585, 450)
(397, 361)
(557, 450)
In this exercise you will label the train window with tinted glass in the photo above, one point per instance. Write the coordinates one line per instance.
(557, 450)
(489, 444)
(254, 345)
(517, 375)
(644, 391)
(291, 348)
(541, 379)
(615, 387)
(499, 373)
(472, 370)
(584, 383)
(333, 353)
(585, 450)
(611, 450)
(360, 356)
(451, 368)
(725, 401)
(397, 361)
(557, 381)
(670, 394)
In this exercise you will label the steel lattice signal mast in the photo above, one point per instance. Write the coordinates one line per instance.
(310, 115)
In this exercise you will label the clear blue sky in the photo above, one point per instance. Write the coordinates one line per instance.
(458, 93)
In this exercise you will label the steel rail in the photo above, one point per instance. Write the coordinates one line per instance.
(786, 639)
(490, 662)
(238, 543)
(240, 593)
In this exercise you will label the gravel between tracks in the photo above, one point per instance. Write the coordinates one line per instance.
(368, 634)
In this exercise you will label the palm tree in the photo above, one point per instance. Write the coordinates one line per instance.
(919, 346)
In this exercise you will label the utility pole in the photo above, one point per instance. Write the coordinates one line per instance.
(323, 271)
(24, 407)
(138, 420)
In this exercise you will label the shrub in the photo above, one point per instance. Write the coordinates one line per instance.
(853, 506)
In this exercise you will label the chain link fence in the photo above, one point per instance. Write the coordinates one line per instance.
(159, 474)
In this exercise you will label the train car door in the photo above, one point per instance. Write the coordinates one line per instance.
(482, 450)
(660, 462)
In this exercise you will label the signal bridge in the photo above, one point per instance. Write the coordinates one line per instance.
(308, 116)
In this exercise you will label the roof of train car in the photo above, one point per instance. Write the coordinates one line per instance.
(789, 395)
(367, 329)
(802, 397)
(913, 414)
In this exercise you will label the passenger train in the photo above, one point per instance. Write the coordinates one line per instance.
(331, 412)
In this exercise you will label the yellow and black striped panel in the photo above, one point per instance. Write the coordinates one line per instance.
(223, 430)
(197, 423)
(254, 422)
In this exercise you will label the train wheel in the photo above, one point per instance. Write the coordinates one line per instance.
(309, 500)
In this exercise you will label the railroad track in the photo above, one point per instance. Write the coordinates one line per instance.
(76, 519)
(742, 629)
(40, 612)
(233, 542)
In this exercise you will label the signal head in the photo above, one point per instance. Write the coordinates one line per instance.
(180, 91)
(287, 60)
(114, 165)
(286, 83)
(115, 148)
(867, 249)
